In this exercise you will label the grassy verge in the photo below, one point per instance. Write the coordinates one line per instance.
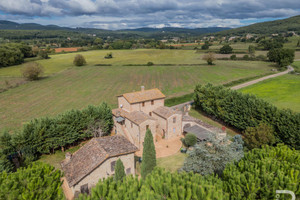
(243, 80)
(172, 163)
(178, 100)
(202, 116)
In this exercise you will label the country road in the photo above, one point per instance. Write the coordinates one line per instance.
(289, 69)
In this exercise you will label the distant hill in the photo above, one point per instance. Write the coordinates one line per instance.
(9, 25)
(277, 26)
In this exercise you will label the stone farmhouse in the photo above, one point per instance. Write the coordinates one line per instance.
(142, 110)
(94, 161)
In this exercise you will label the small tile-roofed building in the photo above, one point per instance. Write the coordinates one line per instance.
(96, 160)
(142, 110)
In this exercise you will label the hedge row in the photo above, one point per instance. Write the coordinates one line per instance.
(244, 110)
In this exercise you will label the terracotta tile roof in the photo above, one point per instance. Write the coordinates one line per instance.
(164, 111)
(93, 154)
(141, 96)
(136, 117)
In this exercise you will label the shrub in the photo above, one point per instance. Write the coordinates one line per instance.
(260, 135)
(226, 49)
(246, 57)
(205, 46)
(79, 60)
(209, 58)
(190, 139)
(150, 63)
(233, 57)
(37, 181)
(108, 56)
(261, 57)
(149, 155)
(211, 156)
(244, 110)
(43, 54)
(32, 71)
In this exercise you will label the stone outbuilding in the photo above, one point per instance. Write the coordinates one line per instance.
(96, 160)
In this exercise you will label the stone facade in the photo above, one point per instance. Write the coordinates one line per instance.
(142, 110)
(105, 170)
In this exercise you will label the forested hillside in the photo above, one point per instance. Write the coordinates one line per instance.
(271, 27)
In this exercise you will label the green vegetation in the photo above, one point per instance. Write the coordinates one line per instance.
(32, 71)
(79, 60)
(211, 156)
(209, 58)
(37, 181)
(263, 171)
(149, 155)
(14, 53)
(119, 171)
(244, 110)
(277, 26)
(281, 91)
(189, 140)
(226, 49)
(160, 185)
(45, 135)
(258, 136)
(283, 57)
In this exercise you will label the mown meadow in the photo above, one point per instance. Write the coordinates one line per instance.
(77, 87)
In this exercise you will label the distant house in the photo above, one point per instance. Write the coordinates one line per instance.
(142, 110)
(96, 160)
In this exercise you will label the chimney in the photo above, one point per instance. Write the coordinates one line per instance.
(142, 88)
(68, 156)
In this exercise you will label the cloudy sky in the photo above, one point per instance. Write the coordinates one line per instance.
(120, 14)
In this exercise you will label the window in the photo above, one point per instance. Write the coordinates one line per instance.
(152, 102)
(147, 127)
(112, 166)
(84, 189)
(174, 119)
(150, 113)
(174, 130)
(143, 104)
(128, 171)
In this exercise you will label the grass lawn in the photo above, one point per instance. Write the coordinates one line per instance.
(282, 91)
(194, 113)
(78, 87)
(172, 163)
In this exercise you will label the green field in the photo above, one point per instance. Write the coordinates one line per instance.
(77, 87)
(283, 91)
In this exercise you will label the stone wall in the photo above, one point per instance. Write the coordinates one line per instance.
(174, 129)
(104, 170)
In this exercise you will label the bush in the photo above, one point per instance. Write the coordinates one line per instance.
(260, 135)
(209, 58)
(43, 54)
(190, 139)
(205, 46)
(283, 57)
(211, 156)
(79, 60)
(32, 71)
(37, 181)
(233, 57)
(150, 63)
(246, 57)
(108, 56)
(245, 110)
(261, 57)
(226, 49)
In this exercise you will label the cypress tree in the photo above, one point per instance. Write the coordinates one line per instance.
(120, 173)
(149, 155)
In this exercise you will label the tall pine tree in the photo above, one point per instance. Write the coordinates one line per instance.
(149, 155)
(119, 169)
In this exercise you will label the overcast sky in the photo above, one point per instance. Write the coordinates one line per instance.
(120, 14)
